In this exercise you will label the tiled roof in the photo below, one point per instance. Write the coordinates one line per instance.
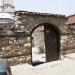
(71, 19)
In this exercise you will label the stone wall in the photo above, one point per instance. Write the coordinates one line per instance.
(27, 21)
(14, 45)
(68, 40)
(17, 47)
(14, 49)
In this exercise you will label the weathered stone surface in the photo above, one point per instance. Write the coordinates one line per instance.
(12, 48)
(68, 44)
(17, 49)
(18, 60)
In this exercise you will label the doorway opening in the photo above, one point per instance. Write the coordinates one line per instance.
(45, 42)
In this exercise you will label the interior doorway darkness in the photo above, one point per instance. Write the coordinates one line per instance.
(45, 44)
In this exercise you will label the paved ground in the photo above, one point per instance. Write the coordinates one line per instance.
(60, 67)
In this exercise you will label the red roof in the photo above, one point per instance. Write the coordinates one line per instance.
(71, 19)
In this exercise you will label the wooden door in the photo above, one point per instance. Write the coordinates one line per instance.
(51, 43)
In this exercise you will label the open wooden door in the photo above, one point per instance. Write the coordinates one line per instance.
(51, 43)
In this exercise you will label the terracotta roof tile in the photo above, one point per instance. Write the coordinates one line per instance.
(71, 19)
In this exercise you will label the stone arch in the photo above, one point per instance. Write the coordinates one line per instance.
(56, 32)
(52, 25)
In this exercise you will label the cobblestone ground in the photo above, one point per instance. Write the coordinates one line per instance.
(60, 67)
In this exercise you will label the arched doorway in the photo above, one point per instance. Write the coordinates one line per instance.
(45, 44)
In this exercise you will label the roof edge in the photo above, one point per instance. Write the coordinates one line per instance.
(71, 15)
(38, 13)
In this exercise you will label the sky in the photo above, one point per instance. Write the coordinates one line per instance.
(64, 7)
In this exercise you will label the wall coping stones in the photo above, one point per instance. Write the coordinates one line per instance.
(40, 14)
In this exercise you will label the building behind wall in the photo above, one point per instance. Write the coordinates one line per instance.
(7, 6)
